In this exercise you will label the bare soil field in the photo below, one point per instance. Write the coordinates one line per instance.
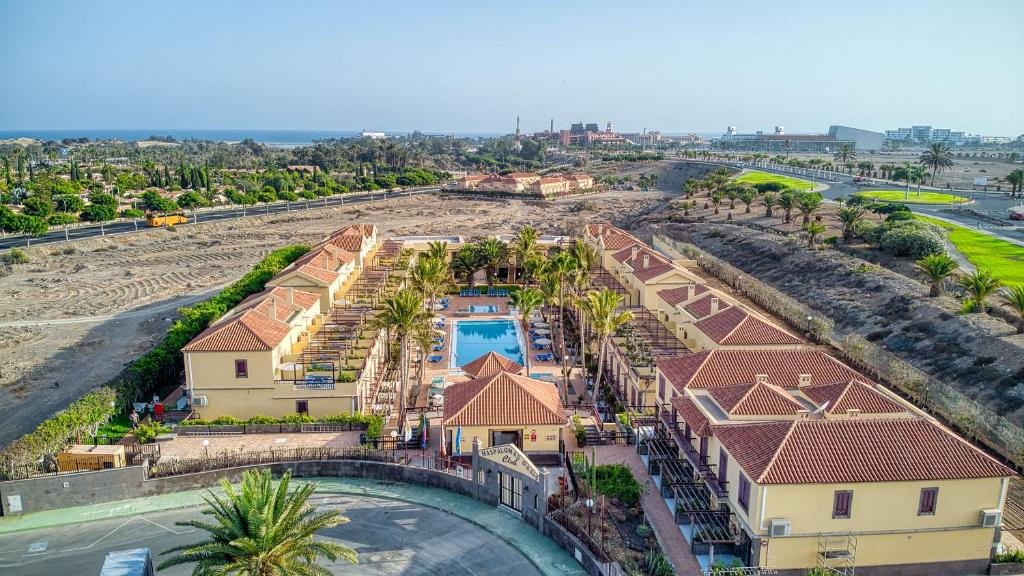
(73, 316)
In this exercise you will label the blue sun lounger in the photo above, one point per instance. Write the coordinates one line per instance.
(439, 348)
(545, 357)
(435, 358)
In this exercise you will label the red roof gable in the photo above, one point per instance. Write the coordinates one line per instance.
(758, 399)
(692, 415)
(736, 327)
(249, 331)
(701, 307)
(852, 395)
(783, 367)
(676, 296)
(503, 399)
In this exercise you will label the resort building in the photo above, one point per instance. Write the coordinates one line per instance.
(527, 183)
(504, 408)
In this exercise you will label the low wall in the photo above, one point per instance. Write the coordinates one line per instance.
(67, 490)
(578, 550)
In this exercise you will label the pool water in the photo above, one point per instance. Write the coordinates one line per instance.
(474, 338)
(483, 309)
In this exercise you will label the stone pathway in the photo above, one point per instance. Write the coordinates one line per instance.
(671, 539)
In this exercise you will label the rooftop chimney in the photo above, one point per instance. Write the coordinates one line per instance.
(761, 378)
(804, 380)
(291, 295)
(647, 261)
(803, 413)
(714, 305)
(326, 265)
(853, 412)
(634, 252)
(691, 291)
(273, 308)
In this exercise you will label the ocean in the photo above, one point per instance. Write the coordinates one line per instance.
(281, 138)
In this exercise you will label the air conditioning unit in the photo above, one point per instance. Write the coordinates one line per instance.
(990, 518)
(199, 401)
(778, 527)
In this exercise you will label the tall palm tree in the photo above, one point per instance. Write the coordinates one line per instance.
(936, 268)
(533, 268)
(980, 284)
(437, 249)
(401, 316)
(938, 156)
(467, 262)
(716, 200)
(919, 175)
(846, 155)
(605, 318)
(1016, 181)
(261, 530)
(904, 172)
(560, 267)
(523, 246)
(586, 258)
(526, 300)
(1013, 296)
(493, 253)
(770, 200)
(429, 276)
(850, 216)
(808, 203)
(787, 201)
(813, 229)
(747, 195)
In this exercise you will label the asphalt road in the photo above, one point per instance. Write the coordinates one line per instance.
(130, 226)
(391, 537)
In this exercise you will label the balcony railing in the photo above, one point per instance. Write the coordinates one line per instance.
(314, 386)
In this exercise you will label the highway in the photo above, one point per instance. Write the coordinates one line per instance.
(228, 213)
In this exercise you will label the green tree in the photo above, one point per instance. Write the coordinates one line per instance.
(604, 317)
(1013, 296)
(808, 203)
(787, 201)
(770, 200)
(526, 300)
(846, 155)
(192, 200)
(980, 284)
(400, 315)
(560, 268)
(429, 276)
(68, 203)
(154, 202)
(466, 262)
(938, 157)
(493, 253)
(1016, 181)
(36, 206)
(850, 216)
(936, 268)
(523, 246)
(747, 196)
(813, 229)
(438, 250)
(261, 530)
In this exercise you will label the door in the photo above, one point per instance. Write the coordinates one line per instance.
(723, 463)
(511, 491)
(499, 437)
(302, 406)
(703, 450)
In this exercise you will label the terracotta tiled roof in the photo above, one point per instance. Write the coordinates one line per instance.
(736, 327)
(653, 271)
(523, 175)
(758, 399)
(351, 242)
(503, 399)
(692, 415)
(701, 307)
(783, 367)
(474, 177)
(676, 296)
(314, 272)
(552, 180)
(249, 331)
(618, 241)
(356, 230)
(289, 297)
(856, 450)
(579, 177)
(626, 256)
(489, 364)
(852, 395)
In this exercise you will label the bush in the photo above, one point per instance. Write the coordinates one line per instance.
(132, 213)
(147, 433)
(616, 481)
(899, 216)
(916, 242)
(308, 195)
(1009, 556)
(288, 195)
(261, 419)
(227, 421)
(655, 564)
(61, 219)
(15, 256)
(297, 419)
(644, 530)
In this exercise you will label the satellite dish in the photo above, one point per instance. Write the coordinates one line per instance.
(821, 408)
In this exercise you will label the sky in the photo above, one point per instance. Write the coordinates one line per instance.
(473, 66)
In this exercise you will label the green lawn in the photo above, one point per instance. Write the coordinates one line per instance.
(756, 177)
(1004, 259)
(913, 198)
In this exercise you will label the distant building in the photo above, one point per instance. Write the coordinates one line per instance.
(862, 139)
(373, 135)
(779, 141)
(926, 134)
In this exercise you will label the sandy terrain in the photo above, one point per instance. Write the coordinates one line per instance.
(70, 321)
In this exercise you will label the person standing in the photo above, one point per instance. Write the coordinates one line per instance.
(134, 417)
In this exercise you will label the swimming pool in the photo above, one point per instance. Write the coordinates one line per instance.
(474, 338)
(483, 309)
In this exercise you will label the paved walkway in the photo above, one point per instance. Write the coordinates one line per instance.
(671, 539)
(544, 553)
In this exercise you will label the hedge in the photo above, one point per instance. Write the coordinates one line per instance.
(154, 370)
(374, 424)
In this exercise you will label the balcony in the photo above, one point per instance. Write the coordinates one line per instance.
(705, 470)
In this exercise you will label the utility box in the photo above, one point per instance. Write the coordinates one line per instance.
(81, 457)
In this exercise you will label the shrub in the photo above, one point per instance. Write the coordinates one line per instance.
(307, 195)
(261, 419)
(147, 433)
(616, 481)
(61, 219)
(132, 213)
(913, 241)
(655, 564)
(194, 422)
(15, 256)
(644, 530)
(297, 419)
(227, 421)
(1010, 555)
(288, 195)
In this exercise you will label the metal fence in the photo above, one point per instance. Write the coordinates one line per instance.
(973, 420)
(134, 455)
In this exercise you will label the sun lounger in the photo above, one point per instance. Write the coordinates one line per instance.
(439, 348)
(435, 358)
(544, 357)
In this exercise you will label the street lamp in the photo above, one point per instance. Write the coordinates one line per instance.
(206, 446)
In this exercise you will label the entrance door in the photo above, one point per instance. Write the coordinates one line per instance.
(499, 437)
(511, 491)
(302, 406)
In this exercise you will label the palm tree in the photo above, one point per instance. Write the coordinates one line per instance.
(716, 200)
(437, 249)
(560, 267)
(747, 196)
(685, 206)
(808, 203)
(526, 301)
(1016, 180)
(466, 262)
(904, 172)
(586, 259)
(936, 268)
(980, 284)
(401, 316)
(261, 530)
(1013, 296)
(523, 246)
(919, 174)
(429, 276)
(938, 157)
(770, 200)
(813, 229)
(846, 155)
(533, 268)
(787, 201)
(850, 216)
(602, 310)
(493, 253)
(731, 192)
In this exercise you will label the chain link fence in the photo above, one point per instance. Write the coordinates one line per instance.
(973, 420)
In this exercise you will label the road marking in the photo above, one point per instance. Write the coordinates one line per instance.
(38, 546)
(123, 524)
(171, 530)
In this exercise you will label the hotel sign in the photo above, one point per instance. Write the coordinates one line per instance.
(512, 457)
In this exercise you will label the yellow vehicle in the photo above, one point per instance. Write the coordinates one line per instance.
(171, 219)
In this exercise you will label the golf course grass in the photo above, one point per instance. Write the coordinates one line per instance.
(913, 198)
(756, 177)
(1004, 259)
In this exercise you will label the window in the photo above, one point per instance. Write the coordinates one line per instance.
(511, 491)
(744, 493)
(926, 505)
(302, 406)
(703, 450)
(842, 503)
(661, 387)
(241, 368)
(687, 431)
(723, 466)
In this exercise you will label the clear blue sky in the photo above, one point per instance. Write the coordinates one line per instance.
(473, 66)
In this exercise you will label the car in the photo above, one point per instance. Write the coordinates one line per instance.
(1016, 213)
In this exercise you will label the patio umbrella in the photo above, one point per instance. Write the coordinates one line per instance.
(542, 331)
(457, 449)
(542, 341)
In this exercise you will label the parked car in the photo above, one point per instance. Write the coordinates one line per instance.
(1016, 213)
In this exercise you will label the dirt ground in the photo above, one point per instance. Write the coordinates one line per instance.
(961, 174)
(72, 317)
